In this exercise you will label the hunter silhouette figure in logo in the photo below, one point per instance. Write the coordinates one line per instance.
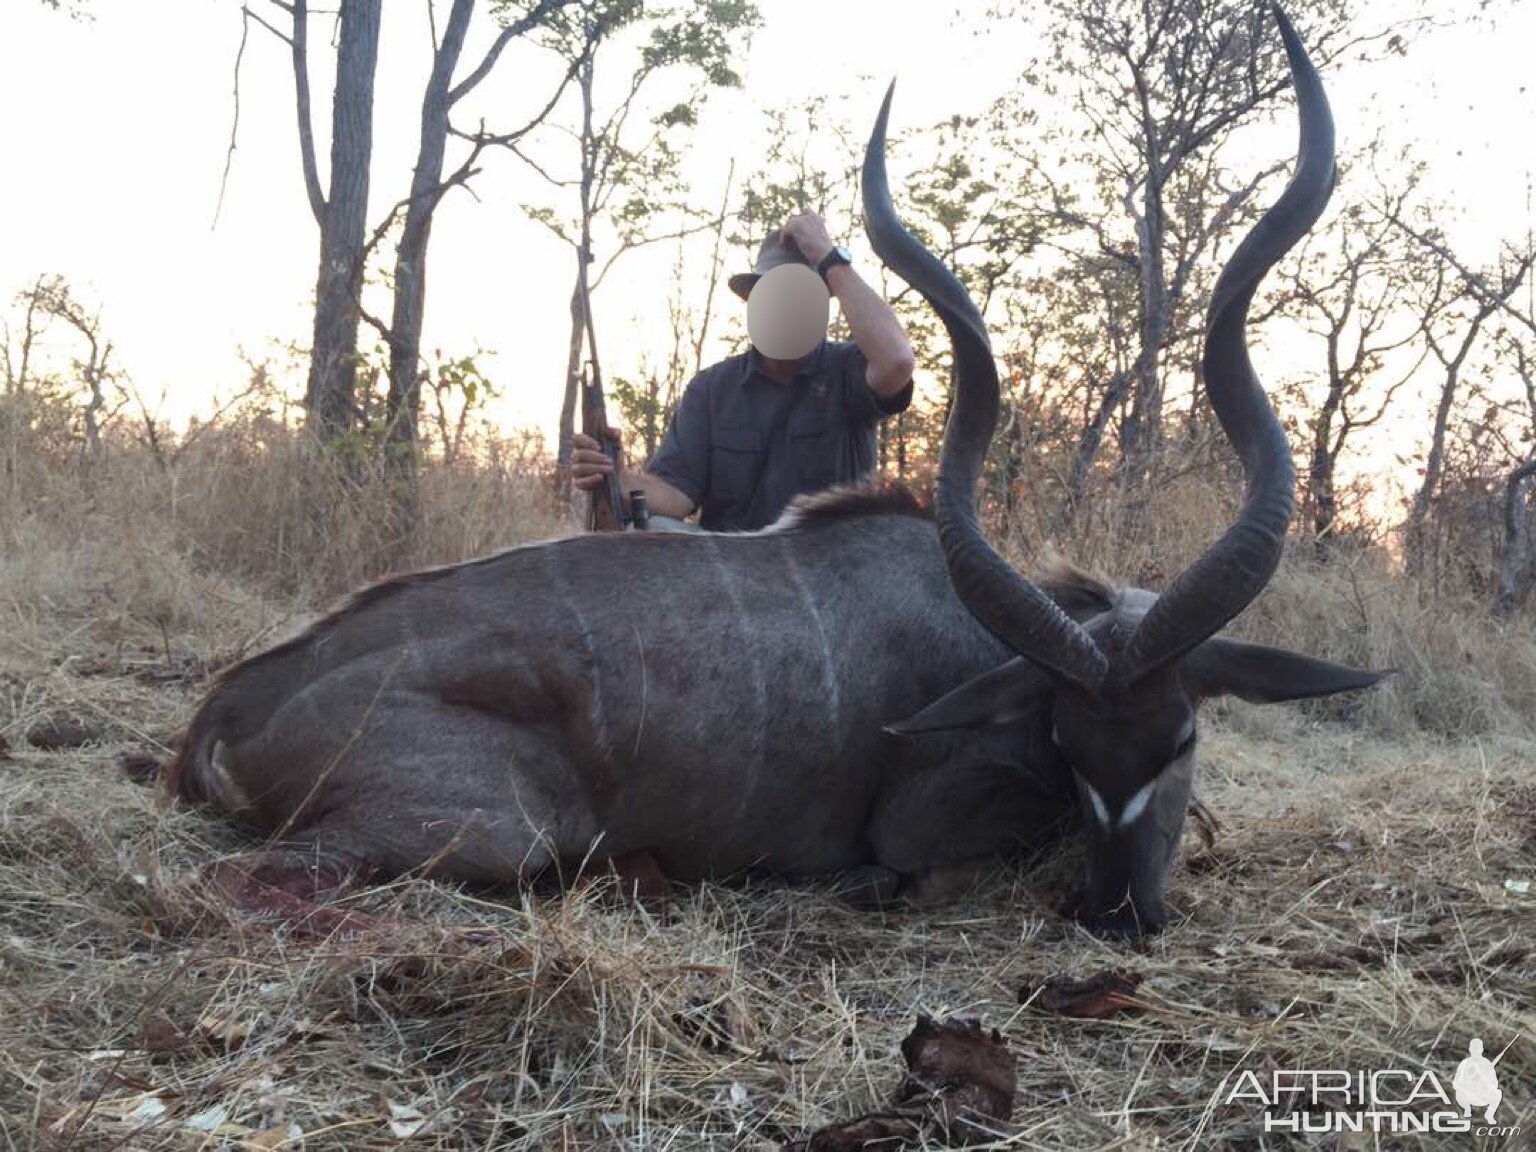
(1476, 1084)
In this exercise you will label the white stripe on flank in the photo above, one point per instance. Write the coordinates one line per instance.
(599, 716)
(1137, 804)
(830, 687)
(759, 728)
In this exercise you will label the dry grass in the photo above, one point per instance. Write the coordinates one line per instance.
(1352, 912)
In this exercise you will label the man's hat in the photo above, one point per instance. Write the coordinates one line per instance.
(773, 254)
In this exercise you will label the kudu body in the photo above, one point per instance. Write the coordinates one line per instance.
(721, 710)
(726, 708)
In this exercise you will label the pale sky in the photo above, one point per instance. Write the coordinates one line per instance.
(115, 132)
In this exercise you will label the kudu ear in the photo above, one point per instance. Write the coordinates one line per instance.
(1263, 675)
(1008, 692)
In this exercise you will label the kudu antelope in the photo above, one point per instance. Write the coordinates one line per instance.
(494, 719)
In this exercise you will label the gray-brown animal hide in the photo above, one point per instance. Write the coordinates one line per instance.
(714, 700)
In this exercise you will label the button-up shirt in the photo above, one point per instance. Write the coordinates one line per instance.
(711, 448)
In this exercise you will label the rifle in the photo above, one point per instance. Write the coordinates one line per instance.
(608, 512)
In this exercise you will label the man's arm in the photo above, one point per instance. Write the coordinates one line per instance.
(680, 469)
(589, 465)
(875, 329)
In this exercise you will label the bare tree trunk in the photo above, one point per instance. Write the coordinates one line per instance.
(1321, 489)
(1517, 568)
(95, 375)
(1434, 463)
(403, 406)
(17, 379)
(331, 395)
(1092, 439)
(1143, 428)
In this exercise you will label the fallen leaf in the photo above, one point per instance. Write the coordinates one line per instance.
(223, 1029)
(1102, 994)
(161, 1037)
(959, 1060)
(958, 1090)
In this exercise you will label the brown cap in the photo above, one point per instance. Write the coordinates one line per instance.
(771, 255)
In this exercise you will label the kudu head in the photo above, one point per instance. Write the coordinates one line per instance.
(1121, 676)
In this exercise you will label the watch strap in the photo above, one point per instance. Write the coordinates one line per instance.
(838, 255)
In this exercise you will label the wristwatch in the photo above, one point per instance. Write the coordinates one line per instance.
(838, 255)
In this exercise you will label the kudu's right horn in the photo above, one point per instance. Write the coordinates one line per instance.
(1016, 611)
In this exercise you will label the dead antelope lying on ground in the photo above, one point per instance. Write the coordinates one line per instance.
(496, 719)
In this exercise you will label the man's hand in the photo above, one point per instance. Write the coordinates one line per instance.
(590, 466)
(808, 233)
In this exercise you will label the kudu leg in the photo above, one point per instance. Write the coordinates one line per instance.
(424, 789)
(934, 824)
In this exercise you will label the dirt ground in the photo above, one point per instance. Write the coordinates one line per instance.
(1364, 904)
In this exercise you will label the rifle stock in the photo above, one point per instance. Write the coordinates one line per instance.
(606, 510)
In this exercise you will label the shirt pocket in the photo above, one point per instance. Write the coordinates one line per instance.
(813, 445)
(733, 452)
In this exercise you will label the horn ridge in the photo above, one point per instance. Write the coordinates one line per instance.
(1001, 599)
(1234, 570)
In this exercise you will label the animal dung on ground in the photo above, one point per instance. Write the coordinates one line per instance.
(1103, 994)
(63, 731)
(958, 1091)
(141, 767)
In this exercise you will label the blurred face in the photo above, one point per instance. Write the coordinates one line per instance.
(787, 312)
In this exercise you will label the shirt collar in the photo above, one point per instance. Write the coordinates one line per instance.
(809, 365)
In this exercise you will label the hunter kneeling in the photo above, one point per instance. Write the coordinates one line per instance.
(756, 430)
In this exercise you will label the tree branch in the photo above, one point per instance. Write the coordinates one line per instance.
(1479, 285)
(299, 42)
(509, 33)
(234, 126)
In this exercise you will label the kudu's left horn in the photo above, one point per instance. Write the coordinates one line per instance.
(1235, 569)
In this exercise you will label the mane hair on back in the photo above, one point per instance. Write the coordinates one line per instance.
(849, 501)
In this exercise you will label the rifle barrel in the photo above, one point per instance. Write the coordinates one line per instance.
(1507, 1047)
